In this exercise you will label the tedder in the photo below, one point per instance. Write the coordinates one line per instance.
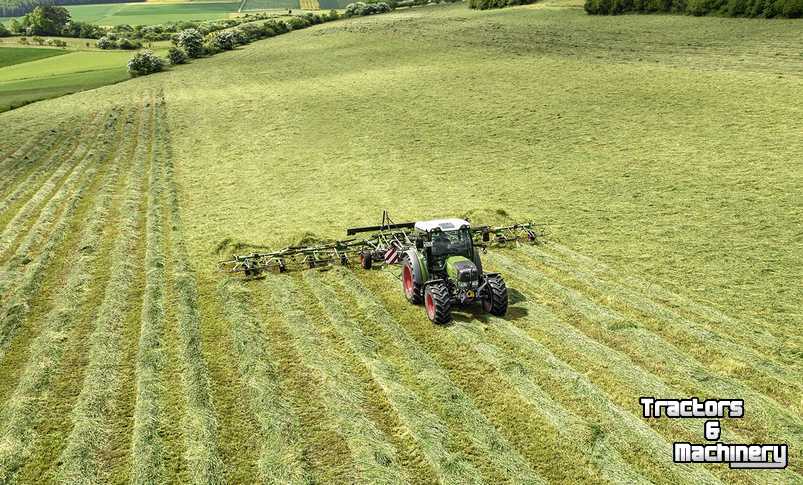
(439, 259)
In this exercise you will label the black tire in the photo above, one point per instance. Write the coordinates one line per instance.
(366, 260)
(438, 303)
(412, 286)
(494, 296)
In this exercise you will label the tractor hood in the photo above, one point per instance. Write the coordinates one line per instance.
(461, 269)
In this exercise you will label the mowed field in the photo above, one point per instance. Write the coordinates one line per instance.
(661, 152)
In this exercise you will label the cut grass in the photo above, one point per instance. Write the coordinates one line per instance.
(84, 456)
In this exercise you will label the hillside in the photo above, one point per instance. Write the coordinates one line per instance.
(661, 152)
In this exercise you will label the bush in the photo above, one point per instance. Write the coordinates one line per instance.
(730, 8)
(176, 55)
(359, 9)
(486, 4)
(56, 43)
(191, 41)
(224, 41)
(128, 45)
(106, 43)
(145, 62)
(4, 32)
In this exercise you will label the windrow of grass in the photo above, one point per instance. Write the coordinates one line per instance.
(343, 395)
(770, 339)
(87, 453)
(30, 275)
(25, 162)
(596, 441)
(67, 167)
(534, 423)
(22, 410)
(725, 354)
(148, 443)
(575, 318)
(280, 456)
(199, 424)
(491, 454)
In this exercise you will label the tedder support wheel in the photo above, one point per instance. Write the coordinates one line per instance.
(365, 260)
(438, 303)
(411, 287)
(494, 297)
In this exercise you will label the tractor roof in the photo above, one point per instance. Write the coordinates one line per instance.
(442, 224)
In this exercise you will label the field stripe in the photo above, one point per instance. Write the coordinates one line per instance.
(753, 367)
(199, 422)
(757, 333)
(148, 449)
(35, 159)
(21, 411)
(426, 428)
(27, 157)
(67, 168)
(83, 458)
(445, 395)
(686, 374)
(28, 279)
(279, 459)
(343, 396)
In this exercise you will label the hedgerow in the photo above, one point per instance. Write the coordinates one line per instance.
(728, 8)
(486, 4)
(359, 9)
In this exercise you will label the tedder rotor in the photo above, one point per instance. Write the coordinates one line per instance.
(439, 259)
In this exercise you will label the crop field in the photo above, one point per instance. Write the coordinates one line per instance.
(148, 13)
(661, 153)
(10, 56)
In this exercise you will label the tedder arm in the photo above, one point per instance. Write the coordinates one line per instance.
(384, 245)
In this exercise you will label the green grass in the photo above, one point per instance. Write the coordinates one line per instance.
(10, 56)
(76, 70)
(144, 13)
(661, 152)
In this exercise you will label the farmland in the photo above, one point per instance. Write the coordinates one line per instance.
(33, 74)
(151, 13)
(661, 152)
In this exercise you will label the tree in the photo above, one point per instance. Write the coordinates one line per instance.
(176, 55)
(191, 41)
(144, 62)
(46, 20)
(4, 32)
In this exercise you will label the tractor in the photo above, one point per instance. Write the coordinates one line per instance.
(443, 269)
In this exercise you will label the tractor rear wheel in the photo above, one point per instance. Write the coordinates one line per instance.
(365, 260)
(494, 296)
(438, 303)
(411, 287)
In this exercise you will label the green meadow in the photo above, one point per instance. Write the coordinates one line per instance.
(661, 154)
(145, 13)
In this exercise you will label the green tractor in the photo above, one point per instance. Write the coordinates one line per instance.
(443, 270)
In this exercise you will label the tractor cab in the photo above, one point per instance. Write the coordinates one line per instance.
(444, 269)
(443, 239)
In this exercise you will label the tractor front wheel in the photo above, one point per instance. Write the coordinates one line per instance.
(438, 303)
(411, 287)
(366, 260)
(494, 296)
